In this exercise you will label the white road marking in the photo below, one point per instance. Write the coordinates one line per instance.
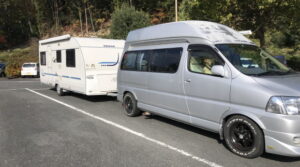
(40, 89)
(23, 89)
(20, 81)
(8, 89)
(182, 152)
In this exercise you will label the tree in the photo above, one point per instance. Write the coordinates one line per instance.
(125, 19)
(203, 10)
(17, 24)
(259, 15)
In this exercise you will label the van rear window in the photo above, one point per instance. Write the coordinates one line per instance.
(165, 60)
(158, 60)
(129, 61)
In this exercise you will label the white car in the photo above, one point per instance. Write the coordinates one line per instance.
(30, 69)
(248, 63)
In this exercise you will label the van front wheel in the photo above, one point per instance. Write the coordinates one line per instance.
(243, 137)
(130, 105)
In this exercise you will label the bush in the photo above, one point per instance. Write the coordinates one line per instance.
(125, 19)
(284, 39)
(294, 63)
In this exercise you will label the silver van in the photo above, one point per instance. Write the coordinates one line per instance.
(210, 76)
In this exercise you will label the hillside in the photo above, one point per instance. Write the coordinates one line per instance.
(275, 24)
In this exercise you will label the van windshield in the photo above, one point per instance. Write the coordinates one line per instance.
(251, 60)
(28, 65)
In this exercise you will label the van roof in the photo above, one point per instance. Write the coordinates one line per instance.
(213, 32)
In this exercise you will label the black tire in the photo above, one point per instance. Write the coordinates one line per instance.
(59, 90)
(244, 137)
(130, 105)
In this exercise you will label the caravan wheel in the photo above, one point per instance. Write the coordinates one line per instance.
(59, 90)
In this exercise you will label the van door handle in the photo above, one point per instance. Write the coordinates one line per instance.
(187, 80)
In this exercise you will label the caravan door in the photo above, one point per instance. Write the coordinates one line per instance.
(49, 71)
(57, 65)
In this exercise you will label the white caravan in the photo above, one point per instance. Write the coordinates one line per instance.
(83, 65)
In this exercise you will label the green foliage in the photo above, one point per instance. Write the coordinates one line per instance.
(125, 19)
(260, 16)
(286, 38)
(16, 22)
(202, 10)
(275, 23)
(294, 63)
(279, 39)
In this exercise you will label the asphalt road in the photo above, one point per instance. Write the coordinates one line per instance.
(39, 128)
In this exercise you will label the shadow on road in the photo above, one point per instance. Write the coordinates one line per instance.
(92, 98)
(280, 158)
(186, 127)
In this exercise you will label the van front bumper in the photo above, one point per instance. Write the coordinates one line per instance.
(282, 134)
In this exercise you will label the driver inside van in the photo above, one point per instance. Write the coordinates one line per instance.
(207, 63)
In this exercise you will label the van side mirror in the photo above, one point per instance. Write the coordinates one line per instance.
(218, 70)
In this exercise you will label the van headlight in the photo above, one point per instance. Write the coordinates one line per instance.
(284, 105)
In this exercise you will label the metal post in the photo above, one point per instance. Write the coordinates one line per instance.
(176, 14)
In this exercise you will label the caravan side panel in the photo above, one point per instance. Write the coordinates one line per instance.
(68, 70)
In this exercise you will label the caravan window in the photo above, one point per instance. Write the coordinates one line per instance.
(70, 58)
(165, 60)
(58, 56)
(43, 58)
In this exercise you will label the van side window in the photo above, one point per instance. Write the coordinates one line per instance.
(129, 61)
(43, 58)
(143, 61)
(165, 60)
(58, 56)
(201, 60)
(70, 53)
(159, 60)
